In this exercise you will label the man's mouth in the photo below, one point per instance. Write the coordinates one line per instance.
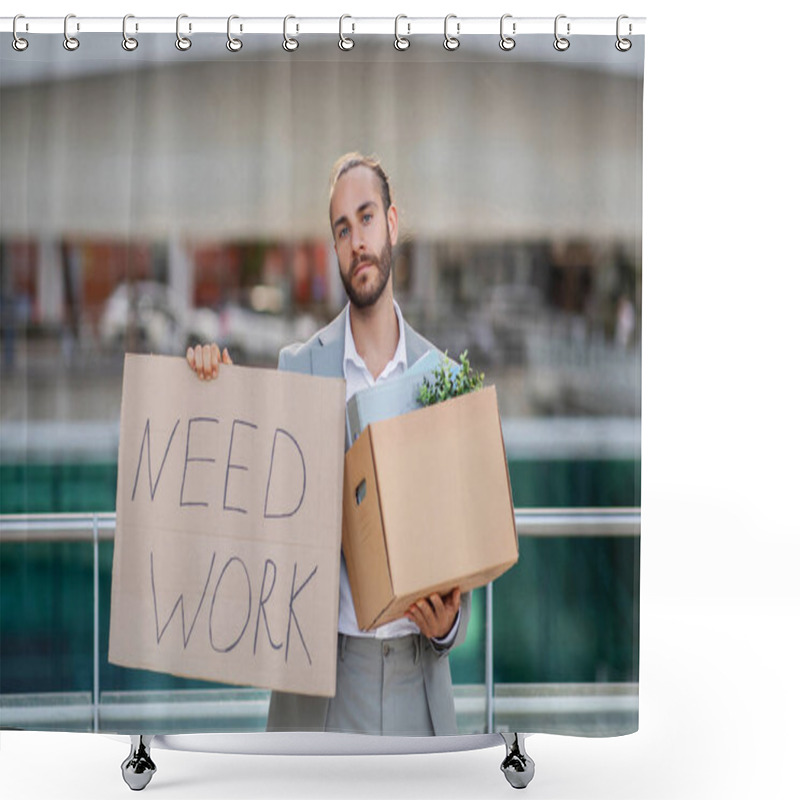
(360, 267)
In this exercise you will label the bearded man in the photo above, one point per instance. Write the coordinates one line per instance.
(394, 679)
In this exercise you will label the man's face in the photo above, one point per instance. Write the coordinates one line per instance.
(363, 235)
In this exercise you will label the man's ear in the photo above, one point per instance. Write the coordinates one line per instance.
(392, 223)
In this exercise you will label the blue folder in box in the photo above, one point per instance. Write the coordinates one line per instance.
(390, 399)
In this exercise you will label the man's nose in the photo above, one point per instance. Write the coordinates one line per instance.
(357, 239)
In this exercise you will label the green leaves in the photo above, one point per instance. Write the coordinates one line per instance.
(449, 380)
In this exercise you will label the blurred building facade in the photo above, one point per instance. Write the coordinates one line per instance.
(519, 194)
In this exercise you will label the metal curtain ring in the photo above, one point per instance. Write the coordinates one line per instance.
(129, 43)
(233, 44)
(70, 42)
(181, 42)
(451, 42)
(623, 45)
(507, 42)
(289, 44)
(344, 42)
(561, 43)
(400, 42)
(18, 43)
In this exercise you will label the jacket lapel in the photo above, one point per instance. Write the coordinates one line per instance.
(327, 357)
(416, 346)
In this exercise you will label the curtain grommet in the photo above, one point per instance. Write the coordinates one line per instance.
(401, 43)
(129, 43)
(70, 43)
(623, 45)
(345, 43)
(233, 44)
(451, 43)
(290, 44)
(183, 43)
(18, 43)
(507, 42)
(561, 43)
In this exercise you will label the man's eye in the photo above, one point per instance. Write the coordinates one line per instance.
(343, 232)
(367, 218)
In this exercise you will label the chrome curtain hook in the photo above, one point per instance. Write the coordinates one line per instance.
(451, 42)
(18, 43)
(233, 44)
(70, 42)
(561, 43)
(182, 42)
(400, 42)
(623, 45)
(129, 43)
(507, 42)
(344, 42)
(289, 44)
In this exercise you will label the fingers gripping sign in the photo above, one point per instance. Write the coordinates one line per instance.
(205, 359)
(435, 615)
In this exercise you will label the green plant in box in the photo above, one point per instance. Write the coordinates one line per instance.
(449, 380)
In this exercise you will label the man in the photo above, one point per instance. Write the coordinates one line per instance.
(396, 679)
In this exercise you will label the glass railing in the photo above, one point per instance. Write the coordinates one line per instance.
(499, 638)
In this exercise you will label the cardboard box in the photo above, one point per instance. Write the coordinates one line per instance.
(427, 506)
(228, 542)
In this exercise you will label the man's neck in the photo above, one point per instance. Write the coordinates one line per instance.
(376, 332)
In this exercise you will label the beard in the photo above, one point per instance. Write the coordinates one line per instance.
(368, 296)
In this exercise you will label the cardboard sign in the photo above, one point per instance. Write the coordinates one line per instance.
(229, 508)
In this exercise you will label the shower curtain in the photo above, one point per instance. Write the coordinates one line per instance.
(156, 196)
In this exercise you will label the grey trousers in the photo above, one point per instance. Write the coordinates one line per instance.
(380, 689)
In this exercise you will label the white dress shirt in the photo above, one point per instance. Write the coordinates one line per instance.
(358, 377)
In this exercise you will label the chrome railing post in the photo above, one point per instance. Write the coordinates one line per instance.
(489, 654)
(96, 627)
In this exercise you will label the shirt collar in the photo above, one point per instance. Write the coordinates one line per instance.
(351, 354)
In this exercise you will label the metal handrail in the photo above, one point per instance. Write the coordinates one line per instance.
(533, 522)
(537, 522)
(57, 527)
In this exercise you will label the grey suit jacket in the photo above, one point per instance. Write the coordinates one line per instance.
(323, 355)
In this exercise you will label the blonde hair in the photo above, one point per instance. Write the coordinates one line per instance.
(350, 160)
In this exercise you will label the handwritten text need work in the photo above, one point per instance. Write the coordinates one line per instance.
(198, 454)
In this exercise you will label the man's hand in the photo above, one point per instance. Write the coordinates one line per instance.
(205, 359)
(435, 615)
